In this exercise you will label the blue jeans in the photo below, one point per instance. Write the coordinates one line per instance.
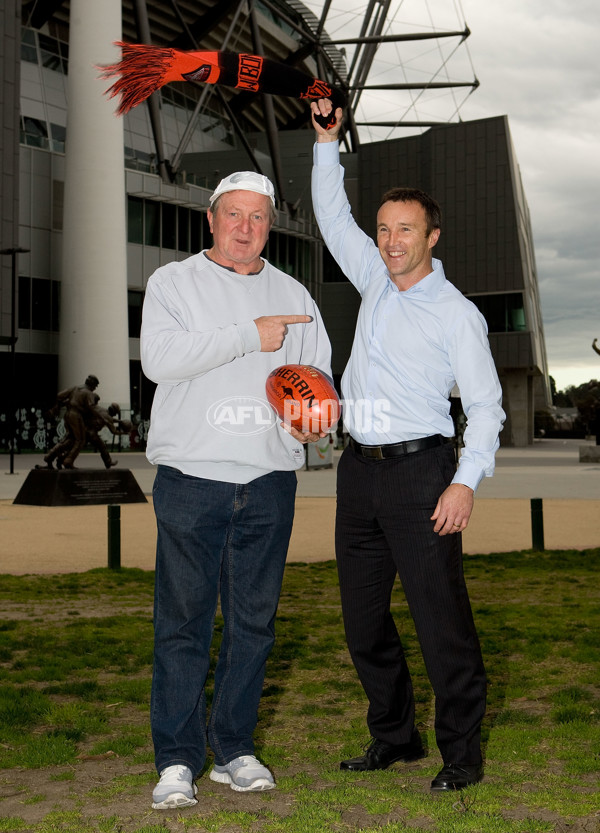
(214, 538)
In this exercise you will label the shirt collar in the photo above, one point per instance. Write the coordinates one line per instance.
(231, 269)
(430, 285)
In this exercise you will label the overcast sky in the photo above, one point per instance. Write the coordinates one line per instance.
(537, 62)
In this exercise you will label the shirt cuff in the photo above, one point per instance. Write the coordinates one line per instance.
(468, 474)
(326, 153)
(250, 337)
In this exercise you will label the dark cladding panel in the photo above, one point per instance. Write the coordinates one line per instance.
(385, 165)
(479, 244)
(339, 308)
(468, 168)
(512, 350)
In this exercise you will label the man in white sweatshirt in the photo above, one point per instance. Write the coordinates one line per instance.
(214, 326)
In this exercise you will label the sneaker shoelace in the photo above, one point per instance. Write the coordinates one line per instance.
(244, 760)
(173, 777)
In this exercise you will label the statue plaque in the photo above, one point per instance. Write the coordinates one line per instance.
(79, 487)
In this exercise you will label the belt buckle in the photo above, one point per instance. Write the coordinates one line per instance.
(374, 453)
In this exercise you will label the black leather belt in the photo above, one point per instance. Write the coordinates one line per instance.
(381, 452)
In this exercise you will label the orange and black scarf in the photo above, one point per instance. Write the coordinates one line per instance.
(144, 69)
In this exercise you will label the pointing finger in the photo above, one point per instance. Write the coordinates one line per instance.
(293, 319)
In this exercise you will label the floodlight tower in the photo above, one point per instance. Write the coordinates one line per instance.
(372, 36)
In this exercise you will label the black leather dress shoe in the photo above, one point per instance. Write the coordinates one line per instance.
(380, 754)
(457, 777)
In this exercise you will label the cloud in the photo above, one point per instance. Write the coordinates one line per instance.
(537, 63)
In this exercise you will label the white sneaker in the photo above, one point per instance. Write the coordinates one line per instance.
(244, 774)
(176, 788)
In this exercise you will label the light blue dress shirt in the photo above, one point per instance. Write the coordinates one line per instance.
(410, 347)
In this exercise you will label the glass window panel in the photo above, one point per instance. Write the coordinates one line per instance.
(55, 309)
(206, 241)
(135, 220)
(515, 313)
(50, 60)
(493, 308)
(300, 272)
(195, 231)
(151, 223)
(129, 156)
(304, 261)
(291, 264)
(169, 230)
(36, 141)
(183, 229)
(331, 271)
(279, 249)
(41, 304)
(504, 312)
(58, 133)
(48, 43)
(144, 161)
(270, 251)
(29, 54)
(35, 132)
(135, 300)
(64, 51)
(28, 47)
(24, 309)
(50, 53)
(178, 98)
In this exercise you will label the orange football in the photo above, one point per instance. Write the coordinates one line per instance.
(303, 397)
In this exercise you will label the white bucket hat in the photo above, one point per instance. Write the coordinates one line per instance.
(245, 181)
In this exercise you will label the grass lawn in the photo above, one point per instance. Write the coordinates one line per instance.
(75, 751)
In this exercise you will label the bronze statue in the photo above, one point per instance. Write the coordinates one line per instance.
(84, 418)
(105, 417)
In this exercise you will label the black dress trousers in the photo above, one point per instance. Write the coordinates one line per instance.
(384, 528)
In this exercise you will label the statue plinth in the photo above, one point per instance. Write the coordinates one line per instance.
(79, 487)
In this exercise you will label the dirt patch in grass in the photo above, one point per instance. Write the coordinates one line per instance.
(110, 787)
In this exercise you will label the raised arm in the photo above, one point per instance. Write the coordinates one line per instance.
(354, 251)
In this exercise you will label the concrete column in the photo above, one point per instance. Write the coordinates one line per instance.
(517, 400)
(93, 323)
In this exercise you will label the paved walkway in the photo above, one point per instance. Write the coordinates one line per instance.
(43, 539)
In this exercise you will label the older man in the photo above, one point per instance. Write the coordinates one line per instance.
(214, 326)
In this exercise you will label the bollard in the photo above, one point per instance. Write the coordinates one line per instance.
(114, 536)
(537, 524)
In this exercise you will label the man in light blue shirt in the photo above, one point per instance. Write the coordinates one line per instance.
(401, 500)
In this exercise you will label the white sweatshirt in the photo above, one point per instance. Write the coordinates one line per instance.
(210, 417)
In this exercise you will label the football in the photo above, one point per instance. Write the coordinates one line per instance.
(303, 397)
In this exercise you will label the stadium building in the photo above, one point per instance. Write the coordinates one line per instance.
(91, 203)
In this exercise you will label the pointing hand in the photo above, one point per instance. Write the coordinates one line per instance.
(272, 329)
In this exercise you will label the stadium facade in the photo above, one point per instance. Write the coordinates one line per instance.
(91, 204)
